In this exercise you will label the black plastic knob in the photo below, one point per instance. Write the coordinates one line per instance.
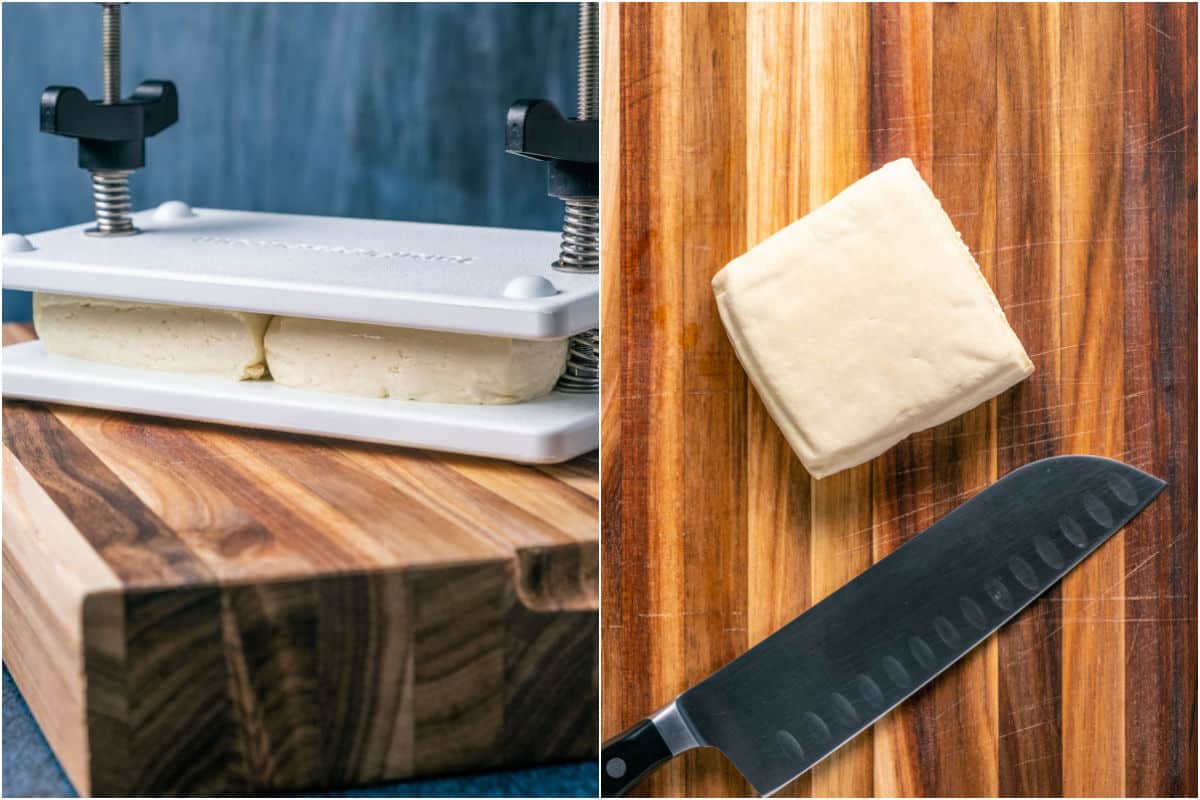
(537, 129)
(111, 136)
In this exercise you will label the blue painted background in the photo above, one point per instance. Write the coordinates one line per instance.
(387, 111)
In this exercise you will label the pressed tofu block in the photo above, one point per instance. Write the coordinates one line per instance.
(867, 320)
(152, 336)
(411, 364)
(488, 391)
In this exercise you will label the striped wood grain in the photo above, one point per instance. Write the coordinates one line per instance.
(1092, 344)
(778, 516)
(834, 129)
(196, 609)
(710, 137)
(1159, 204)
(1025, 271)
(1061, 140)
(902, 488)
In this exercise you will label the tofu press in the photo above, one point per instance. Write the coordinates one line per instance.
(475, 280)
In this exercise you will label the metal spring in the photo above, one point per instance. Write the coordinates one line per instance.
(580, 249)
(110, 41)
(110, 192)
(583, 364)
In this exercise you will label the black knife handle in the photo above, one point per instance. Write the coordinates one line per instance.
(629, 757)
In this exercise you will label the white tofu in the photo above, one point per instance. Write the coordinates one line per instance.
(410, 364)
(867, 320)
(152, 336)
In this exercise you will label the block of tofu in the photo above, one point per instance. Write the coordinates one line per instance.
(867, 320)
(410, 364)
(152, 336)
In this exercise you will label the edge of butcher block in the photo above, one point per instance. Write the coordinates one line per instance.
(339, 678)
(272, 688)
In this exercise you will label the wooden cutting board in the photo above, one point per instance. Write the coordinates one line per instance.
(192, 609)
(1062, 142)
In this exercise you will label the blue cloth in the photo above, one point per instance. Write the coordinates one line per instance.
(390, 111)
(31, 770)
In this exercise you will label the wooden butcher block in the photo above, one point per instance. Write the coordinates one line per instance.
(192, 609)
(1062, 141)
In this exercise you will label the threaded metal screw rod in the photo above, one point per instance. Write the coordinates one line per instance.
(111, 44)
(110, 188)
(580, 251)
(589, 60)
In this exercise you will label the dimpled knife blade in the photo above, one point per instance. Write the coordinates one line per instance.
(810, 687)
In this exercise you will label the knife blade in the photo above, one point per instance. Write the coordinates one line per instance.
(830, 673)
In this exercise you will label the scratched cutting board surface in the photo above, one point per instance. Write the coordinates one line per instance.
(1062, 142)
(196, 609)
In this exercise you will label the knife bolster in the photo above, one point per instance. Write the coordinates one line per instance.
(674, 729)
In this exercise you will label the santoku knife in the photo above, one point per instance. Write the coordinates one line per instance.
(810, 687)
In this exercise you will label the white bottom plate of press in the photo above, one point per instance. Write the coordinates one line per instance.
(553, 428)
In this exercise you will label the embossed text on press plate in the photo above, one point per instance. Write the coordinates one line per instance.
(369, 252)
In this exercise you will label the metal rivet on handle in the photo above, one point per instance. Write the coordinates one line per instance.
(615, 768)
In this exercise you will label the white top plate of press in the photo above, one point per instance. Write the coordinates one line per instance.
(549, 429)
(492, 281)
